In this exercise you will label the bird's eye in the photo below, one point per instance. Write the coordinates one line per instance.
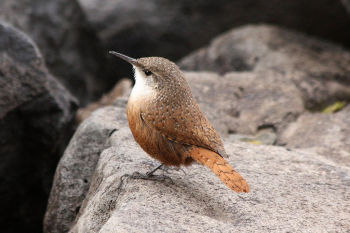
(147, 72)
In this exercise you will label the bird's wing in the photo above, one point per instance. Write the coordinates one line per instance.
(184, 125)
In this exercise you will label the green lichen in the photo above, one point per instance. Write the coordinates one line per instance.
(337, 106)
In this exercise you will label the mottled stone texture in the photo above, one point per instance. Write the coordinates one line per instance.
(68, 44)
(290, 190)
(319, 70)
(36, 115)
(73, 174)
(286, 81)
(326, 134)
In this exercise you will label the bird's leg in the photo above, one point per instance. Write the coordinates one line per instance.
(150, 173)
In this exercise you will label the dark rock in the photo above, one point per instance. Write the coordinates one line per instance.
(69, 46)
(172, 29)
(74, 172)
(346, 3)
(36, 116)
(122, 88)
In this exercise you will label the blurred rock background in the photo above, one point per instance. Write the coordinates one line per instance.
(282, 85)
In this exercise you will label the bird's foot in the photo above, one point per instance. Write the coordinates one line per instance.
(150, 176)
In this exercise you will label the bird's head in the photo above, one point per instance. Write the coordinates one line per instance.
(153, 73)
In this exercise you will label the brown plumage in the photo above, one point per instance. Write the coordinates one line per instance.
(166, 121)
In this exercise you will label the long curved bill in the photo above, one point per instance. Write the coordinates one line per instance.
(124, 57)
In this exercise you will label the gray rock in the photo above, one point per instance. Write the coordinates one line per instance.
(172, 29)
(290, 80)
(319, 70)
(346, 4)
(248, 101)
(265, 136)
(251, 102)
(326, 134)
(290, 191)
(236, 101)
(36, 116)
(69, 46)
(73, 174)
(261, 47)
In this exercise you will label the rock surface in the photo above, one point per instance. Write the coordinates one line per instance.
(73, 174)
(247, 101)
(287, 80)
(36, 116)
(316, 68)
(69, 46)
(108, 206)
(327, 134)
(291, 190)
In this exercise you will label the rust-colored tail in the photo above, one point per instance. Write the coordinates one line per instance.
(221, 168)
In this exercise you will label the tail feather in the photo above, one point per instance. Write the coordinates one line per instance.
(221, 168)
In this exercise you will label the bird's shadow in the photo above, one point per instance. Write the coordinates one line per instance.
(215, 206)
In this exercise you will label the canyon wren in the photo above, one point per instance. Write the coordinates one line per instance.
(167, 123)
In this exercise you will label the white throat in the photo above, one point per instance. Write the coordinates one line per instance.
(142, 87)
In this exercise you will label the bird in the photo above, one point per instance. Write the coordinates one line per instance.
(166, 121)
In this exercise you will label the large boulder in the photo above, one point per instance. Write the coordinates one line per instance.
(285, 80)
(36, 116)
(319, 70)
(290, 190)
(70, 47)
(246, 102)
(83, 168)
